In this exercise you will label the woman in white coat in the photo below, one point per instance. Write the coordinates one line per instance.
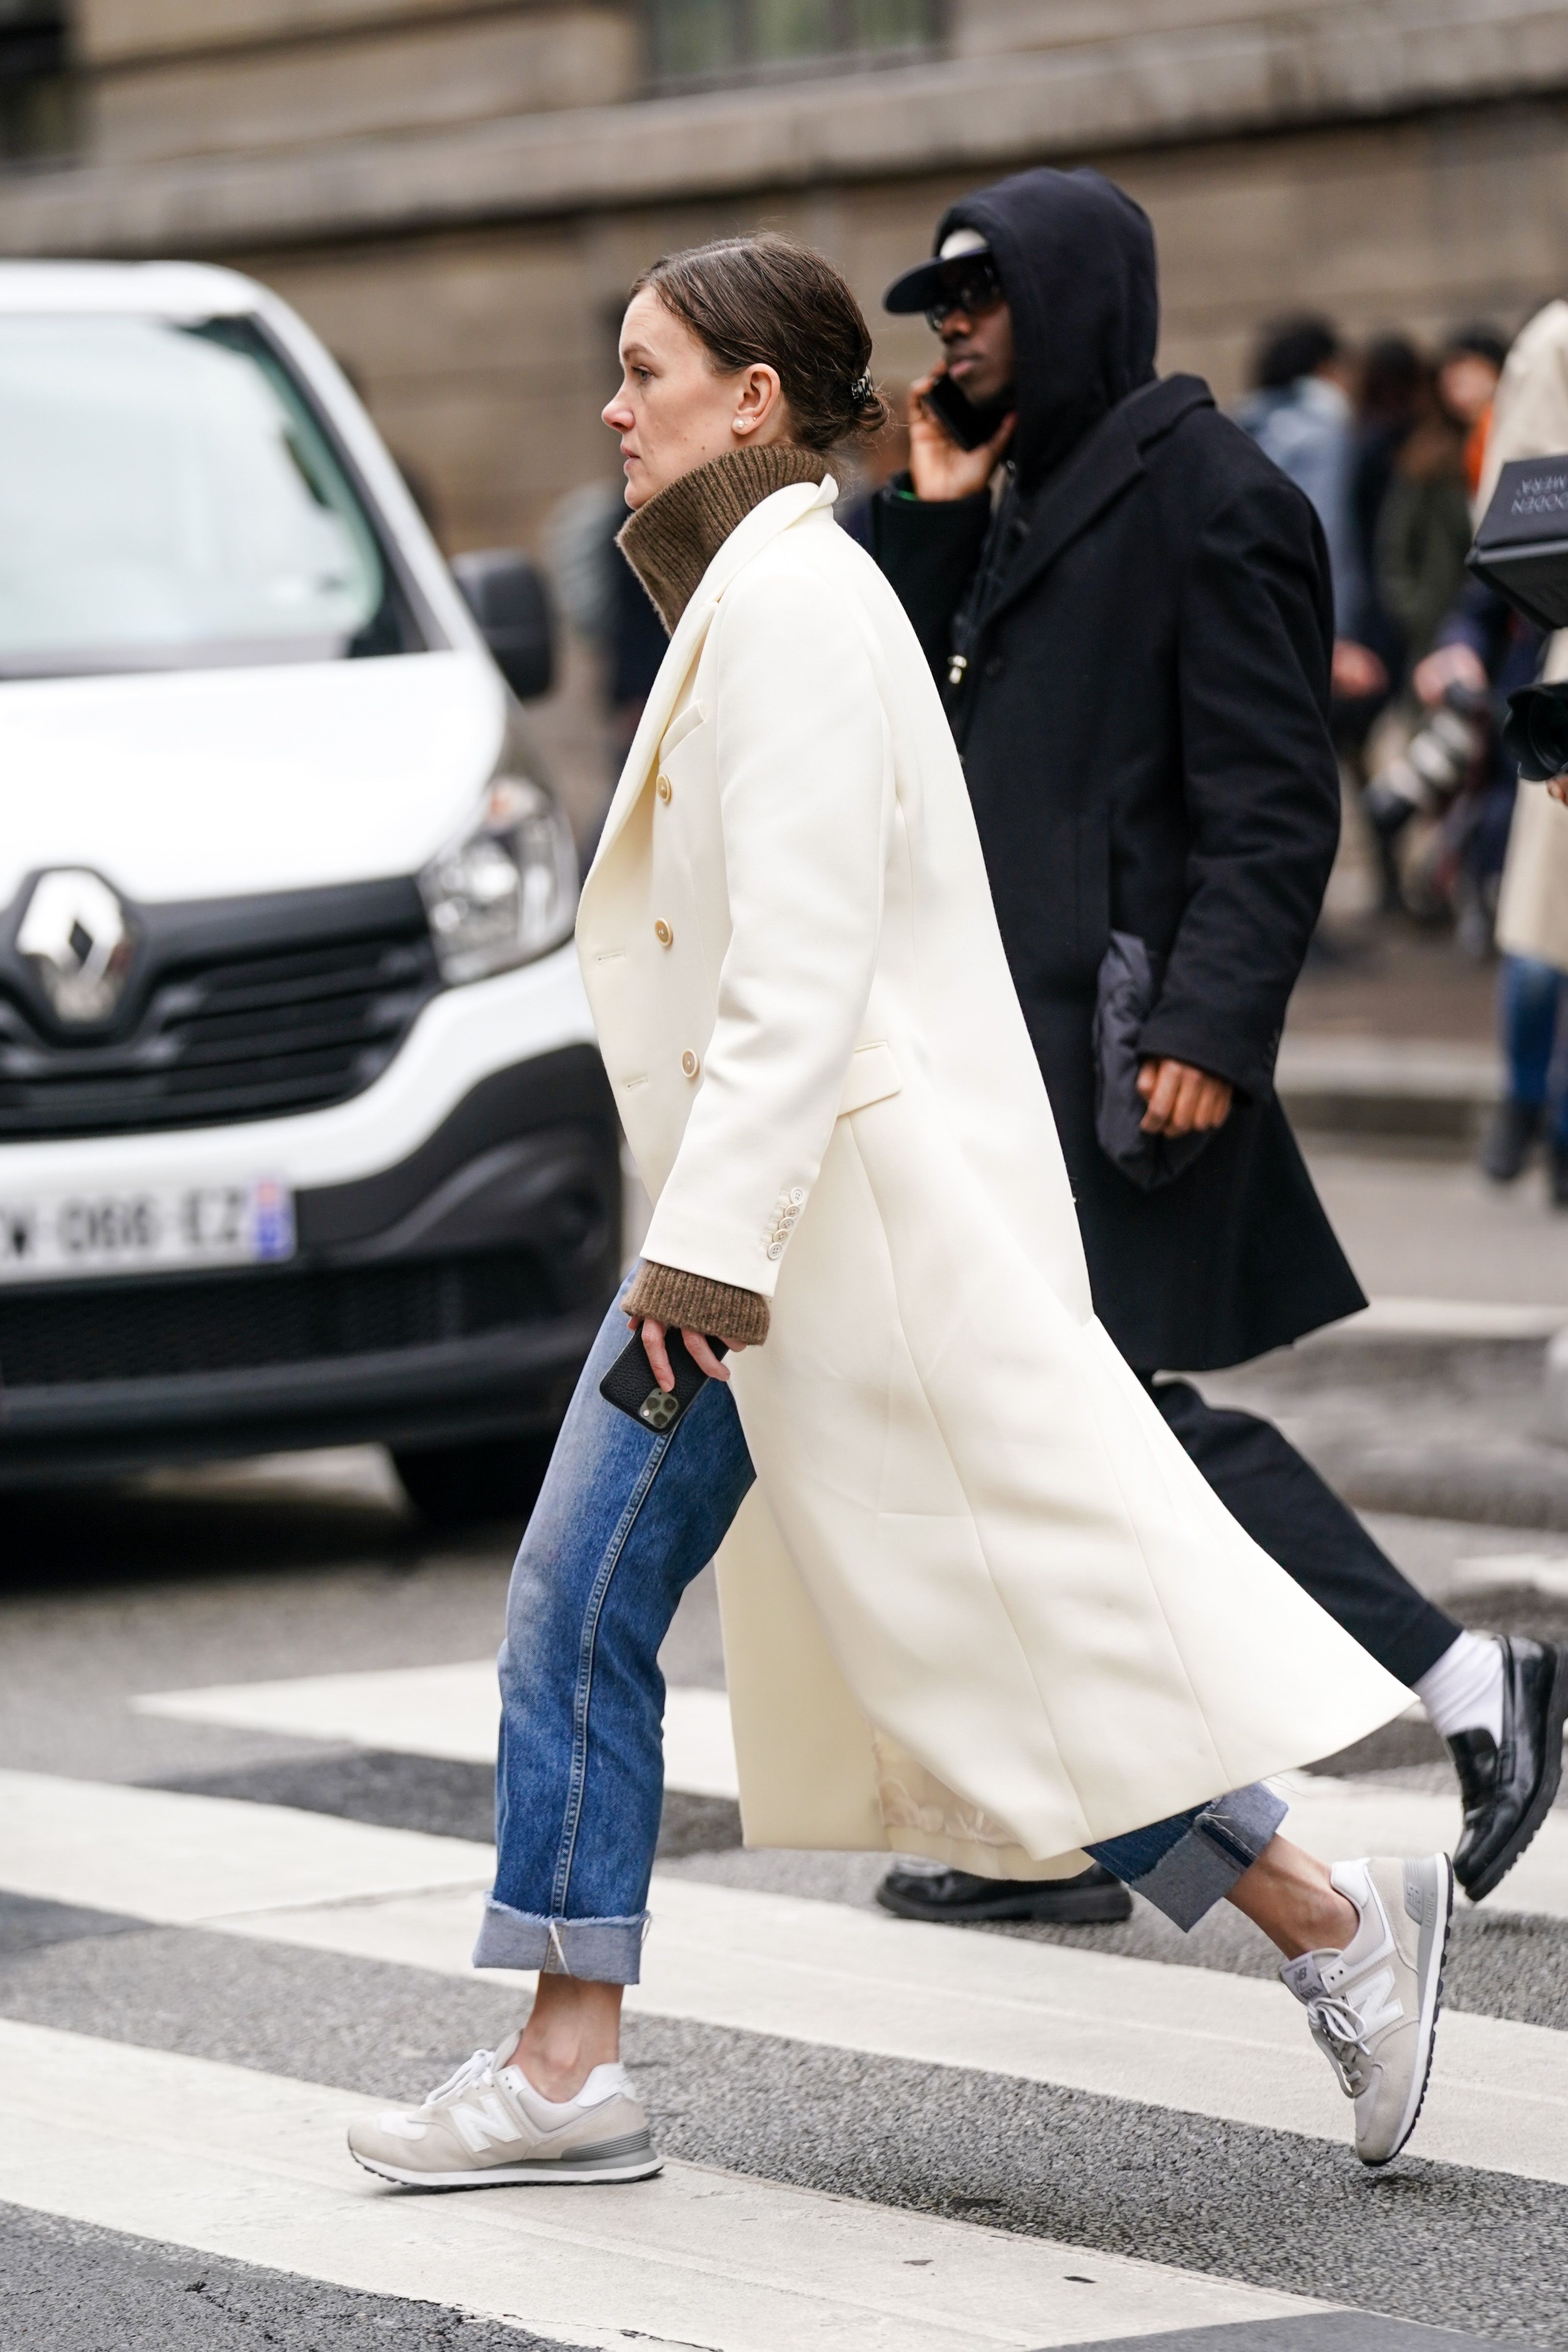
(977, 1603)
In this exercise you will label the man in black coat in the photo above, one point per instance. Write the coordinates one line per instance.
(1133, 628)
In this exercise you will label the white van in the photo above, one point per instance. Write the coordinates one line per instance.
(304, 1139)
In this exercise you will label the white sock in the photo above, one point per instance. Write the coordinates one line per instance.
(1463, 1692)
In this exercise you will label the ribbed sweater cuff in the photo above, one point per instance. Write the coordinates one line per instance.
(689, 1302)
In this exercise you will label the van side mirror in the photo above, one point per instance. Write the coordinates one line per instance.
(508, 597)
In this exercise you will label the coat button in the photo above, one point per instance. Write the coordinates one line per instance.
(663, 933)
(994, 666)
(690, 1063)
(665, 788)
(775, 1249)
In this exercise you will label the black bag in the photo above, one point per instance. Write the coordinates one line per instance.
(1129, 983)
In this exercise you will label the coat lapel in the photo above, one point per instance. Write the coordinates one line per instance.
(764, 523)
(1105, 462)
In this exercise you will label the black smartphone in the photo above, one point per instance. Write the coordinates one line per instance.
(961, 419)
(630, 1383)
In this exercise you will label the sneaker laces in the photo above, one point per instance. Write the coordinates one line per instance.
(480, 2068)
(1338, 2031)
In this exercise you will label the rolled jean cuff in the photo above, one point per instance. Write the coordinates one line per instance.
(1187, 1865)
(605, 1951)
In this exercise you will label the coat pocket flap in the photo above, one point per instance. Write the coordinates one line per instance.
(691, 717)
(873, 1072)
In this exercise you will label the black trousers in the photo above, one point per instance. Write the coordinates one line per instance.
(1285, 1507)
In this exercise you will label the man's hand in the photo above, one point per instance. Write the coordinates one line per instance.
(1182, 1101)
(1457, 664)
(1357, 672)
(697, 1347)
(938, 469)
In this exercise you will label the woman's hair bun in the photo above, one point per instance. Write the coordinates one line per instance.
(766, 300)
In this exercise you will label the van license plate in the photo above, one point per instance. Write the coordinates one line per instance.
(47, 1236)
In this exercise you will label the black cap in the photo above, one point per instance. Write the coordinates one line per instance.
(919, 288)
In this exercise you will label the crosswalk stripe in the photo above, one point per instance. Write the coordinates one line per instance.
(251, 2166)
(452, 1711)
(159, 1855)
(1188, 2038)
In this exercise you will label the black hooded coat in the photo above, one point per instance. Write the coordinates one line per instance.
(1145, 626)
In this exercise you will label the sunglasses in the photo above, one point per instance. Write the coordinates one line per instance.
(972, 286)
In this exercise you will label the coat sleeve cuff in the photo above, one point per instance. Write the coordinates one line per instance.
(690, 1302)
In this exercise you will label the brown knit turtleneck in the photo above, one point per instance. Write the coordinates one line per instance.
(671, 542)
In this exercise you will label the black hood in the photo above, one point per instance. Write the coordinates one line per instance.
(1076, 259)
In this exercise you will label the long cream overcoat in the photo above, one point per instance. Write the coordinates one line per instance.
(979, 1604)
(1530, 419)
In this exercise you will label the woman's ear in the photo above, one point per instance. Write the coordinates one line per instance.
(760, 404)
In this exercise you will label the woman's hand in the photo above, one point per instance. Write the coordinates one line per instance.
(1558, 788)
(938, 469)
(697, 1347)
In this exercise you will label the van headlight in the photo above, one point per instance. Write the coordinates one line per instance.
(506, 890)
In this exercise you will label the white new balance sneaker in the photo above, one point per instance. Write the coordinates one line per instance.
(1373, 2007)
(489, 2126)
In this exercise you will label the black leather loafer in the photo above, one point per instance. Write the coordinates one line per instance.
(958, 1894)
(1507, 1789)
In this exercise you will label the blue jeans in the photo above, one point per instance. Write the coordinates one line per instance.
(624, 1521)
(1530, 1004)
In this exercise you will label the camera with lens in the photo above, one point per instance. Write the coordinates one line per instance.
(1434, 764)
(1521, 550)
(1535, 732)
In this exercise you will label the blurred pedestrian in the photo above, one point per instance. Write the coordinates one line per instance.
(1424, 530)
(1134, 637)
(1468, 373)
(1449, 767)
(1300, 414)
(1453, 769)
(1530, 419)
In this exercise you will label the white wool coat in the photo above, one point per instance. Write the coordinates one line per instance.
(980, 1604)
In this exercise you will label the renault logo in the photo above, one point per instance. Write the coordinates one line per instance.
(76, 939)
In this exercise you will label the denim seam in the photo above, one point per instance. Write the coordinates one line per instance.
(583, 1696)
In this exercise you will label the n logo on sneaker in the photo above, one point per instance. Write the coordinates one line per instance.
(1377, 2003)
(483, 2123)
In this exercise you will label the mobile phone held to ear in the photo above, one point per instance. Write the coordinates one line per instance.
(960, 418)
(630, 1385)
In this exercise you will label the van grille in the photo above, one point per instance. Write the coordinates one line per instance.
(251, 1031)
(68, 1336)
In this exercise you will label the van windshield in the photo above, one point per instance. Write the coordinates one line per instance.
(169, 500)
